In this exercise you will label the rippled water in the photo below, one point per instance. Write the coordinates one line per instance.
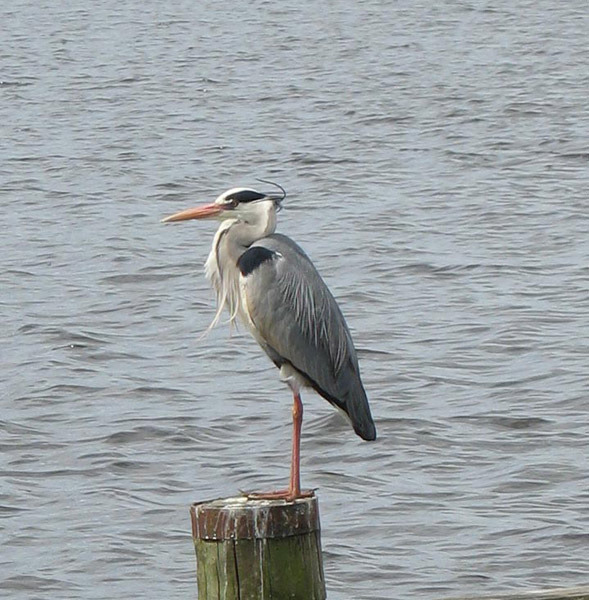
(437, 167)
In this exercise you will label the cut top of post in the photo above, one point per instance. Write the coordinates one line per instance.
(243, 518)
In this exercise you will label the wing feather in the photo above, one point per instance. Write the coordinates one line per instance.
(296, 319)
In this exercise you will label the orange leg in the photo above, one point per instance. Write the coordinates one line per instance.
(294, 489)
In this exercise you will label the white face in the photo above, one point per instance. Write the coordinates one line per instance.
(245, 205)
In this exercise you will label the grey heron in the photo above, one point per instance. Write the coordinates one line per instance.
(267, 282)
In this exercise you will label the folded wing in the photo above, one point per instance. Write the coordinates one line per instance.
(297, 321)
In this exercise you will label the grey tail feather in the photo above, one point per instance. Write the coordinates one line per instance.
(354, 404)
(359, 411)
(366, 430)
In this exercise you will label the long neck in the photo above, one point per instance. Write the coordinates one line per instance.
(232, 239)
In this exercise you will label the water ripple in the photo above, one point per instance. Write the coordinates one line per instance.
(435, 159)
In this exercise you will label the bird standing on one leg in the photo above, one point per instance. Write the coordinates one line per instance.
(269, 283)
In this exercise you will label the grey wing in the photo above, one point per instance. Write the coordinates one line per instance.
(297, 321)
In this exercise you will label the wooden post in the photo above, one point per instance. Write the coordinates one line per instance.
(250, 549)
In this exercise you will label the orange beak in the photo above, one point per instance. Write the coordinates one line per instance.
(200, 212)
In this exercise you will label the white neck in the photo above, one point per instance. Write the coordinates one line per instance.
(232, 239)
(254, 222)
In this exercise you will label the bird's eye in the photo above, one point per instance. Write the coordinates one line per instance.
(231, 204)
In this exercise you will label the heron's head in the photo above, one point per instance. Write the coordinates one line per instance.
(242, 204)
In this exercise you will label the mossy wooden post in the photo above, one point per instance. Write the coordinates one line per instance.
(249, 549)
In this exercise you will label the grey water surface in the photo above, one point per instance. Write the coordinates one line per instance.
(437, 163)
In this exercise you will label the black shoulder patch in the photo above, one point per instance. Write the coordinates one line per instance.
(245, 196)
(252, 258)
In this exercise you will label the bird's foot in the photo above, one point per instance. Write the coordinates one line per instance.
(288, 495)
